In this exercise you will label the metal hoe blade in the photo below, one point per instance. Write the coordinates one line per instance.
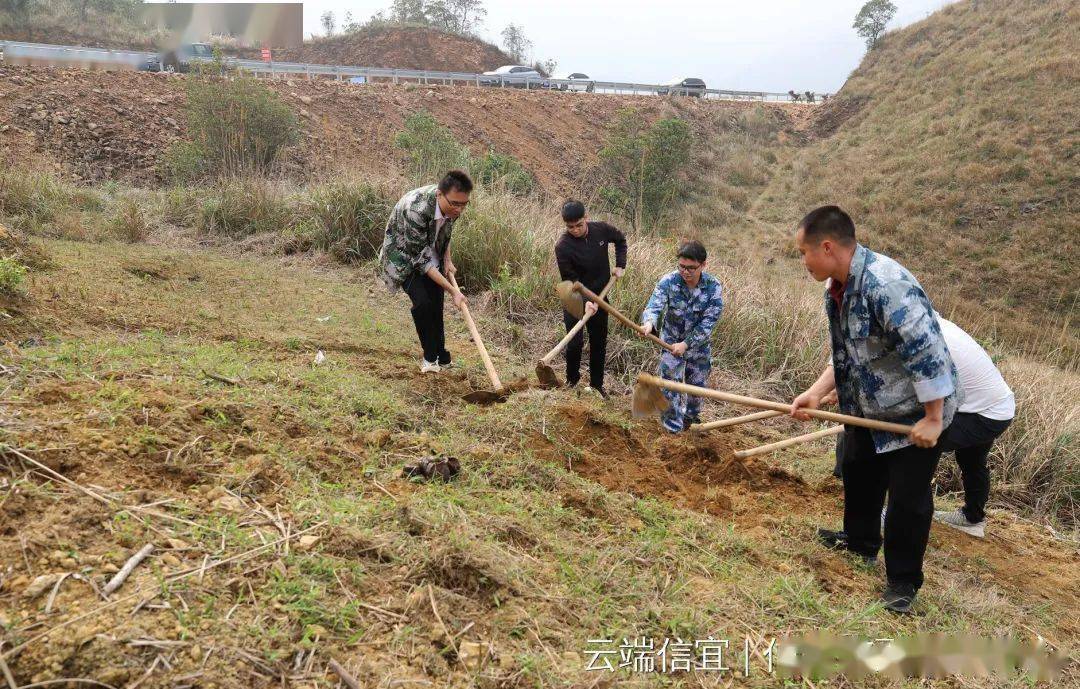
(486, 397)
(570, 299)
(648, 400)
(546, 375)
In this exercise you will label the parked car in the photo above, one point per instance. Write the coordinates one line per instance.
(689, 86)
(181, 59)
(514, 76)
(150, 63)
(578, 81)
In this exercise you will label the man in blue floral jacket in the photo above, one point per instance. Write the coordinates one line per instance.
(890, 363)
(689, 302)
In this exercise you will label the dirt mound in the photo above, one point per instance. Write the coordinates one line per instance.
(117, 126)
(829, 117)
(400, 48)
(699, 472)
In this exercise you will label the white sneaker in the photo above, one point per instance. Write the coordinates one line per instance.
(429, 367)
(957, 520)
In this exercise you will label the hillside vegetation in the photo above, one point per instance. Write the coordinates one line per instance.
(955, 145)
(207, 363)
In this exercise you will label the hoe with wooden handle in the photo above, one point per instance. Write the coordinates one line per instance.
(568, 293)
(735, 421)
(544, 372)
(772, 447)
(482, 396)
(649, 400)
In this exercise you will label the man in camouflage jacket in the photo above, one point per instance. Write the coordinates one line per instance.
(690, 304)
(415, 256)
(891, 363)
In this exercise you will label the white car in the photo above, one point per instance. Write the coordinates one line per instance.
(514, 76)
(574, 81)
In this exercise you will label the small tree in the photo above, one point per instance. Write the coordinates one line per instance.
(872, 19)
(409, 12)
(459, 16)
(515, 43)
(348, 24)
(642, 168)
(547, 67)
(328, 22)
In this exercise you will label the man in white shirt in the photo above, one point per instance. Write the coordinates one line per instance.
(986, 409)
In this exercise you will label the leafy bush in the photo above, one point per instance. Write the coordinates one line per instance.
(184, 161)
(236, 126)
(12, 276)
(430, 147)
(498, 170)
(641, 170)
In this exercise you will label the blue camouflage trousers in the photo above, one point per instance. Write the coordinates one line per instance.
(693, 369)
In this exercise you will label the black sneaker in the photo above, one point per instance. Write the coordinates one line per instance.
(837, 540)
(899, 598)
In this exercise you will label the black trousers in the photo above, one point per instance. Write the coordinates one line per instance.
(972, 436)
(905, 474)
(427, 313)
(597, 327)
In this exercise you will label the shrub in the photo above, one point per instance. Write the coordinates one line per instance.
(184, 161)
(236, 126)
(431, 148)
(498, 170)
(349, 219)
(12, 276)
(129, 223)
(642, 170)
(245, 207)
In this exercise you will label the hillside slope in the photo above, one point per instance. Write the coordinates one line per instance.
(175, 392)
(955, 145)
(99, 126)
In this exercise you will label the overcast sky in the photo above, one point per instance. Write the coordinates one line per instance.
(768, 45)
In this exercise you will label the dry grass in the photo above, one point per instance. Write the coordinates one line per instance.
(1036, 463)
(960, 163)
(519, 554)
(771, 340)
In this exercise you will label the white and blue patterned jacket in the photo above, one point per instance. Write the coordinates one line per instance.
(889, 355)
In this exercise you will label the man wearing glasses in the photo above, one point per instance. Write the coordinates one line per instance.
(689, 302)
(415, 256)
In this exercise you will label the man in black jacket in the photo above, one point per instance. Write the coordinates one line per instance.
(582, 255)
